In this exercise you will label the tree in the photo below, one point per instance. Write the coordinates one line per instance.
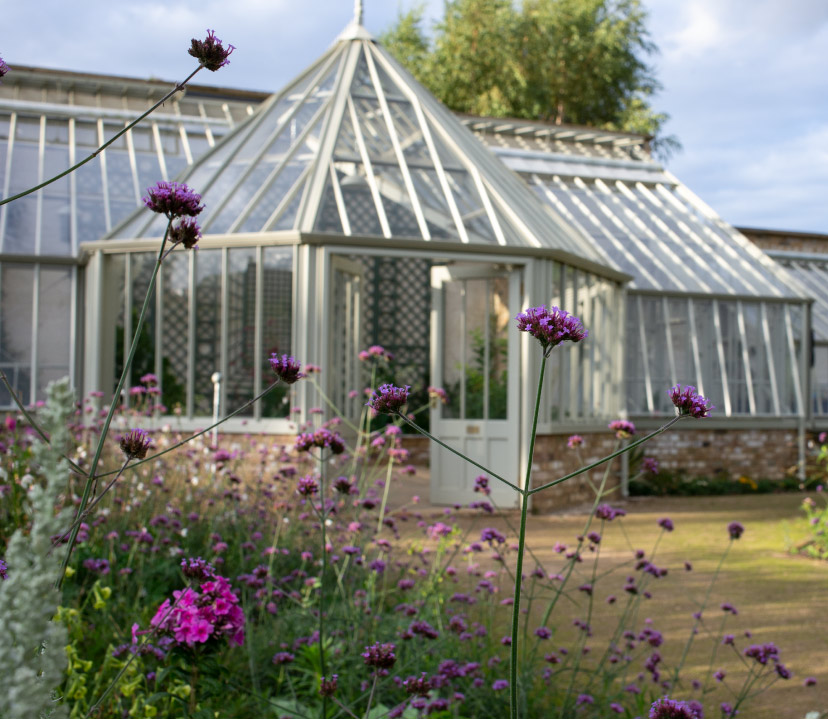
(578, 62)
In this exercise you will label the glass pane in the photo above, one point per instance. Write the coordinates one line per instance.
(277, 310)
(241, 329)
(454, 357)
(16, 283)
(207, 329)
(175, 333)
(820, 388)
(141, 267)
(53, 326)
(499, 324)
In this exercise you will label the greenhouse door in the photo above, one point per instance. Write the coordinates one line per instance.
(474, 357)
(345, 338)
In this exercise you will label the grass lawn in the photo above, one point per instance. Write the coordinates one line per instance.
(780, 598)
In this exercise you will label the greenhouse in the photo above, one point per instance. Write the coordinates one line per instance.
(352, 209)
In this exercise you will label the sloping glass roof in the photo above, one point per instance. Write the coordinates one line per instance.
(355, 146)
(812, 273)
(637, 213)
(51, 119)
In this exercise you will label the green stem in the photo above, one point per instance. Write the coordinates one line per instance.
(385, 493)
(689, 644)
(323, 513)
(513, 668)
(177, 88)
(115, 400)
(423, 432)
(615, 454)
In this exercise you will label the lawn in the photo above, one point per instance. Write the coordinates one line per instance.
(779, 597)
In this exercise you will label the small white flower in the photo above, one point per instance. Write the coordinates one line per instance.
(329, 523)
(194, 480)
(183, 532)
(286, 520)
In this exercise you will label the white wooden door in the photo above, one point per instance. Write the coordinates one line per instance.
(475, 358)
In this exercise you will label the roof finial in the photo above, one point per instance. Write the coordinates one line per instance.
(358, 12)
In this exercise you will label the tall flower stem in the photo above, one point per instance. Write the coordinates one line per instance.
(178, 88)
(513, 669)
(322, 514)
(116, 398)
(692, 636)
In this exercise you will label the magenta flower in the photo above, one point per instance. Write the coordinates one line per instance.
(173, 199)
(500, 684)
(199, 617)
(210, 52)
(665, 708)
(388, 399)
(4, 569)
(135, 444)
(575, 440)
(437, 393)
(307, 486)
(690, 403)
(551, 326)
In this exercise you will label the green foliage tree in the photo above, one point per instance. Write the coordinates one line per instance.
(577, 62)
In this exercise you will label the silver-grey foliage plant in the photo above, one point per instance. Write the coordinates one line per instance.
(32, 652)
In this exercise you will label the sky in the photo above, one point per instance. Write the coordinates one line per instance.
(745, 81)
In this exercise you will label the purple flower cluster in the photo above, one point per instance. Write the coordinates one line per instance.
(607, 513)
(735, 530)
(388, 399)
(197, 569)
(328, 687)
(4, 68)
(198, 617)
(135, 444)
(665, 708)
(623, 429)
(375, 352)
(187, 233)
(173, 199)
(210, 52)
(4, 569)
(286, 368)
(551, 326)
(380, 656)
(307, 486)
(575, 440)
(321, 438)
(689, 402)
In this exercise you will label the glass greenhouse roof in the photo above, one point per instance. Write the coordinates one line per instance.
(51, 119)
(811, 271)
(356, 147)
(638, 214)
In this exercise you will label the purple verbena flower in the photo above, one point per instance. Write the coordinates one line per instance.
(500, 684)
(380, 656)
(307, 486)
(418, 686)
(551, 326)
(187, 233)
(735, 529)
(4, 569)
(135, 444)
(283, 658)
(173, 199)
(4, 68)
(665, 708)
(575, 440)
(198, 569)
(607, 513)
(210, 52)
(666, 524)
(327, 687)
(689, 402)
(623, 428)
(286, 368)
(649, 464)
(584, 699)
(388, 398)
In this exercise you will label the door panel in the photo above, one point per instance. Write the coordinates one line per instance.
(475, 359)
